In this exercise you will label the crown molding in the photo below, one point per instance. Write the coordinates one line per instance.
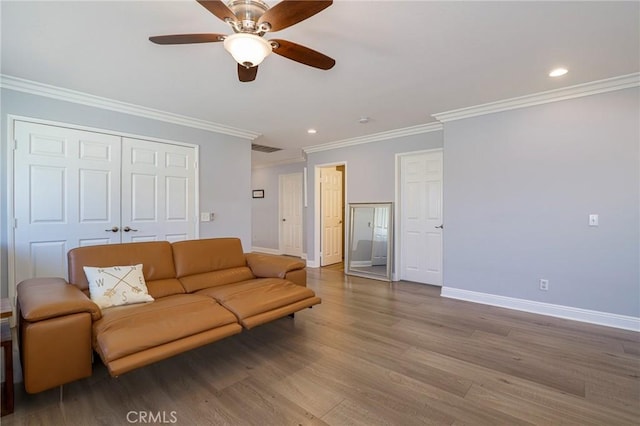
(570, 92)
(376, 137)
(68, 95)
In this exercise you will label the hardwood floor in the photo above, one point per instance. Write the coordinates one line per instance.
(335, 267)
(372, 354)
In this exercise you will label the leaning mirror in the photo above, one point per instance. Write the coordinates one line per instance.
(369, 250)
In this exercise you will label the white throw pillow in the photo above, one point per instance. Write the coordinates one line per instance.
(117, 285)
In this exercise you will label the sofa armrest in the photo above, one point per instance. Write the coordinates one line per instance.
(272, 266)
(43, 298)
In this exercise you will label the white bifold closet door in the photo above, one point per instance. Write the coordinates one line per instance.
(76, 188)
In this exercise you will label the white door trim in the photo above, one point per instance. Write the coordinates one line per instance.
(315, 262)
(11, 118)
(10, 214)
(11, 289)
(397, 218)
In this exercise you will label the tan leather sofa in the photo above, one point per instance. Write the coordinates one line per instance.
(204, 290)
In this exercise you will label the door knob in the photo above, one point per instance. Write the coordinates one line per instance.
(439, 227)
(284, 220)
(114, 229)
(127, 229)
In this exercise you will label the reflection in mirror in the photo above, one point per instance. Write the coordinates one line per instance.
(370, 237)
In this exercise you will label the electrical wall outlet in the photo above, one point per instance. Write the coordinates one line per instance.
(544, 285)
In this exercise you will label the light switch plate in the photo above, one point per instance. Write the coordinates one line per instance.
(593, 220)
(205, 217)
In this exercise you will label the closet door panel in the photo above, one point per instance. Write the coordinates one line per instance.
(66, 194)
(158, 191)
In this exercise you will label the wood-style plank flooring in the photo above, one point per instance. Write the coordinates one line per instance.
(372, 354)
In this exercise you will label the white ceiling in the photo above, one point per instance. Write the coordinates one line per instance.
(398, 62)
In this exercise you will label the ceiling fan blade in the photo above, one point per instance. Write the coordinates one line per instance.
(219, 9)
(302, 54)
(289, 12)
(247, 74)
(187, 38)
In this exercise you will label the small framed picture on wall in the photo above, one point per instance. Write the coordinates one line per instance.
(258, 193)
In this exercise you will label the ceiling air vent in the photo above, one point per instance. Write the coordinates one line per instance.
(264, 148)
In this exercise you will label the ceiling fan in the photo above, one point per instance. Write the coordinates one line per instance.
(250, 20)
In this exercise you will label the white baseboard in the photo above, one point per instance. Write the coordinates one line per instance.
(313, 263)
(265, 250)
(567, 312)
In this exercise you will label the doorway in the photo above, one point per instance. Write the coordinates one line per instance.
(290, 207)
(420, 216)
(330, 213)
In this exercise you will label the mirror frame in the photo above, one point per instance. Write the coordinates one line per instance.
(348, 269)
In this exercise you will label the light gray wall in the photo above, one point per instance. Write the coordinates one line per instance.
(225, 161)
(518, 188)
(370, 172)
(265, 211)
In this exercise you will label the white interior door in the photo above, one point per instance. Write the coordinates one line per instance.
(291, 214)
(421, 217)
(158, 187)
(331, 214)
(66, 194)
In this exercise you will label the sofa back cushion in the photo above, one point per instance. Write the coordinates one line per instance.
(210, 262)
(156, 258)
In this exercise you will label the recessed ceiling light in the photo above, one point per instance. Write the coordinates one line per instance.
(558, 72)
(364, 120)
(312, 131)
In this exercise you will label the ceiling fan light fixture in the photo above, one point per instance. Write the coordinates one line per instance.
(247, 49)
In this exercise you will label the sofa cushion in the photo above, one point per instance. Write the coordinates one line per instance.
(200, 256)
(125, 330)
(197, 282)
(117, 285)
(165, 287)
(156, 257)
(272, 266)
(257, 296)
